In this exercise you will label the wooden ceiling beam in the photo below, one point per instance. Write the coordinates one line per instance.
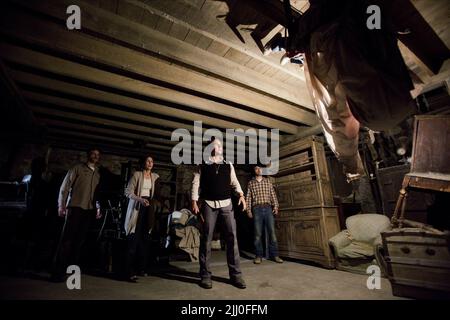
(121, 58)
(216, 64)
(82, 142)
(72, 143)
(49, 122)
(101, 121)
(422, 39)
(15, 112)
(117, 99)
(82, 136)
(106, 138)
(102, 111)
(67, 68)
(87, 136)
(198, 24)
(50, 111)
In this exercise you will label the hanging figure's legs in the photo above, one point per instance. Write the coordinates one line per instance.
(340, 126)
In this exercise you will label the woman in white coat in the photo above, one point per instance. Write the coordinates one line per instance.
(143, 193)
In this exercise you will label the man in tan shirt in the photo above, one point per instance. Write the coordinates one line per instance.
(77, 203)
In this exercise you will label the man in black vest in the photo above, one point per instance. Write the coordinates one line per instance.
(216, 178)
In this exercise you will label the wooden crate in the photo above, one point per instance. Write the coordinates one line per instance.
(417, 262)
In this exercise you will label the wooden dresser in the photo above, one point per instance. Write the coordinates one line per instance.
(308, 217)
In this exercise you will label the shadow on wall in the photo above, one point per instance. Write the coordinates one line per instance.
(241, 13)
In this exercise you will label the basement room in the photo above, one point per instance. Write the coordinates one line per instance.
(225, 150)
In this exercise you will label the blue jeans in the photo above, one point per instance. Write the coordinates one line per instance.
(263, 216)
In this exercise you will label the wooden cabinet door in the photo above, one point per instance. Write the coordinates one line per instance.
(283, 232)
(305, 194)
(307, 236)
(284, 196)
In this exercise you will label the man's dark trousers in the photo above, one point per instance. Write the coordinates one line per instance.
(210, 216)
(74, 234)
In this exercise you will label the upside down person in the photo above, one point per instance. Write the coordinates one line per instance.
(356, 76)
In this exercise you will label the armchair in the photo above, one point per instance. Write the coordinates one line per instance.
(354, 248)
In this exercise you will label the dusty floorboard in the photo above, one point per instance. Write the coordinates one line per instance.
(268, 281)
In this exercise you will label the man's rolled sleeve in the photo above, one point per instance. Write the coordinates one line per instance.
(195, 185)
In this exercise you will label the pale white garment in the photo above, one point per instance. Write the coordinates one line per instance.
(146, 187)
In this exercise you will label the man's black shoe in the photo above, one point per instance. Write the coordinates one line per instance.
(206, 283)
(238, 282)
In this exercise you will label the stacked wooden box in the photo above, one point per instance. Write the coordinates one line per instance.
(308, 217)
(417, 263)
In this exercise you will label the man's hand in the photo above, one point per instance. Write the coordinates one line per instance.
(144, 202)
(195, 209)
(99, 214)
(242, 200)
(62, 211)
(275, 211)
(249, 214)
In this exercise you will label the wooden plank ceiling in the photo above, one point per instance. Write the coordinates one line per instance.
(138, 69)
